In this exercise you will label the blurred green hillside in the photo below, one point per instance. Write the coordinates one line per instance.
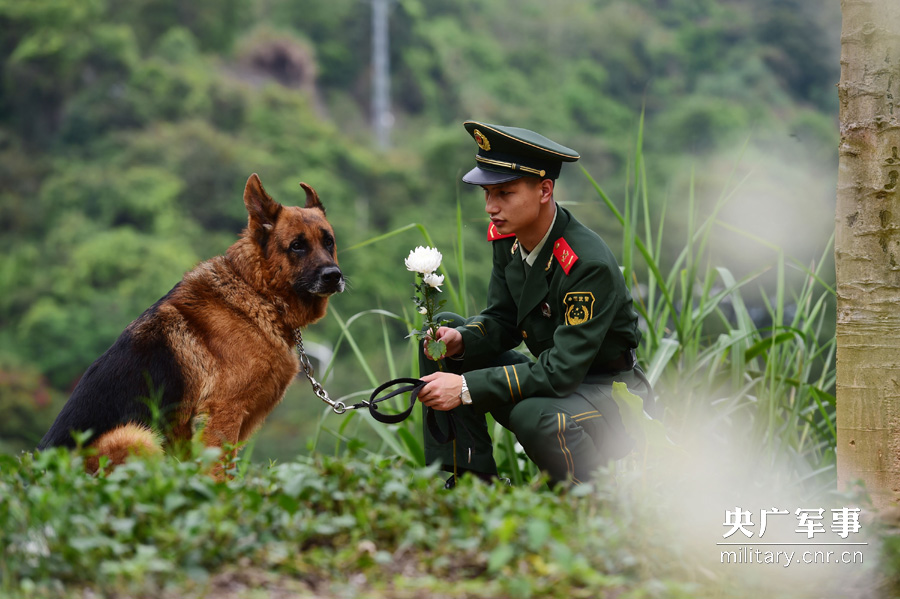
(128, 129)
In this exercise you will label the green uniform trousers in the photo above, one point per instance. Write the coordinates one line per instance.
(566, 437)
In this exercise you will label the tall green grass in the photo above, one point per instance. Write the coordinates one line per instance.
(707, 359)
(702, 350)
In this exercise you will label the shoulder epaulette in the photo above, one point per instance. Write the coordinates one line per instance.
(564, 255)
(494, 234)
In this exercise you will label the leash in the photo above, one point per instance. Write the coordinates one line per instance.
(410, 385)
(339, 407)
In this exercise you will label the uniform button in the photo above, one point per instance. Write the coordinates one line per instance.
(524, 335)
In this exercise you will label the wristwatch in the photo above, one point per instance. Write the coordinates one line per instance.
(464, 394)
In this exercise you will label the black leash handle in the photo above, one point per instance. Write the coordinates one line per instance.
(411, 386)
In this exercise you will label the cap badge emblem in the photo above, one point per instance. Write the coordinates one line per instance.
(481, 140)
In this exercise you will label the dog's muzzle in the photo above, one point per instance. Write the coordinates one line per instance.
(324, 281)
(329, 281)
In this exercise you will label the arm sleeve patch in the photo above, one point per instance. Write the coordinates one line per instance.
(579, 307)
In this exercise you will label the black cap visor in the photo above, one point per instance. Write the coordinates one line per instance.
(480, 176)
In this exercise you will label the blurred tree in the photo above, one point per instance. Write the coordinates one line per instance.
(215, 23)
(27, 408)
(340, 32)
(50, 50)
(795, 49)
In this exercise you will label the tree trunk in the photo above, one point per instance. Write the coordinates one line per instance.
(867, 250)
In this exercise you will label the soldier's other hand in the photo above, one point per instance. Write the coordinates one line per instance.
(442, 391)
(452, 339)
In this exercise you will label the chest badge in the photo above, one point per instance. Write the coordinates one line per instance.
(545, 310)
(579, 307)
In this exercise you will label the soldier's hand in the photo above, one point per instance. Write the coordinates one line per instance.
(453, 340)
(442, 391)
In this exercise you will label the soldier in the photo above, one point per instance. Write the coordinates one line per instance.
(556, 286)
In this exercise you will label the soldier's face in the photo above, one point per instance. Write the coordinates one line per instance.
(514, 206)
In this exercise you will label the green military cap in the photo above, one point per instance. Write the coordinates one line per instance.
(507, 153)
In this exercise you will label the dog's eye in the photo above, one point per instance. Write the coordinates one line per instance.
(297, 246)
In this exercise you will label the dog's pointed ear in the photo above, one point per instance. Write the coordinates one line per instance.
(312, 198)
(262, 210)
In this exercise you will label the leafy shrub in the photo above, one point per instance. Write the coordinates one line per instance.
(152, 524)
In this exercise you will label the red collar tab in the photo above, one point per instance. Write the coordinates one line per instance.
(494, 234)
(564, 254)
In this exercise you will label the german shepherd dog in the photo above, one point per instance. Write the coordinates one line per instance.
(218, 347)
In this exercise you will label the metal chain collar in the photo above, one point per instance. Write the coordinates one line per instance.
(339, 407)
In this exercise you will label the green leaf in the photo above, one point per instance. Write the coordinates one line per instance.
(765, 345)
(538, 533)
(649, 434)
(288, 504)
(416, 451)
(500, 556)
(435, 349)
(661, 357)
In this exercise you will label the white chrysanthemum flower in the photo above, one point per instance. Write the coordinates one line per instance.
(434, 280)
(423, 260)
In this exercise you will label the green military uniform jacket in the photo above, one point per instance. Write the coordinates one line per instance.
(572, 309)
